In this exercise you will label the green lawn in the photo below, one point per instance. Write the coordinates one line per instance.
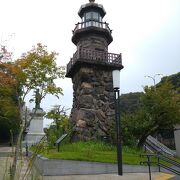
(94, 151)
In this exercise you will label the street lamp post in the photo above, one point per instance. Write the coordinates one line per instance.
(153, 78)
(116, 83)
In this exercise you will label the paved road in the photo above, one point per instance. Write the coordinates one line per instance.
(5, 161)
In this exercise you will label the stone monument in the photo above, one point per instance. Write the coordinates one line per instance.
(35, 128)
(90, 69)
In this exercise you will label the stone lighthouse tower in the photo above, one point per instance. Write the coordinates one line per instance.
(90, 69)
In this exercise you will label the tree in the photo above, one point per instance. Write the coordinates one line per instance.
(130, 102)
(174, 79)
(60, 124)
(9, 114)
(159, 109)
(35, 70)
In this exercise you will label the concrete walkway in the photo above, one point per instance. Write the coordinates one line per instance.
(5, 161)
(126, 176)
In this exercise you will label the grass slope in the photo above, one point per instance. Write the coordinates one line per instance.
(94, 151)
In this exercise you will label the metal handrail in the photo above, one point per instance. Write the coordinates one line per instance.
(92, 23)
(163, 158)
(159, 147)
(167, 159)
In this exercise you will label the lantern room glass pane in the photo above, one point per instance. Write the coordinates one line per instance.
(88, 15)
(95, 16)
(100, 19)
(92, 18)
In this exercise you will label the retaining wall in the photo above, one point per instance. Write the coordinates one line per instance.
(50, 167)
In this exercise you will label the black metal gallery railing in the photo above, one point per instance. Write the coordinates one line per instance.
(167, 163)
(92, 23)
(95, 57)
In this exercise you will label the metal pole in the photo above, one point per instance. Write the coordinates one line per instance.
(154, 81)
(149, 167)
(158, 162)
(58, 147)
(118, 131)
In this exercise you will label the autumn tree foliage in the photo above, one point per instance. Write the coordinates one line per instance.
(9, 112)
(35, 70)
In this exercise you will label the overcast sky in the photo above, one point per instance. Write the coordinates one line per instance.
(146, 32)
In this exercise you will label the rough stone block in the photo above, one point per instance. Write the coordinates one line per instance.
(86, 101)
(80, 123)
